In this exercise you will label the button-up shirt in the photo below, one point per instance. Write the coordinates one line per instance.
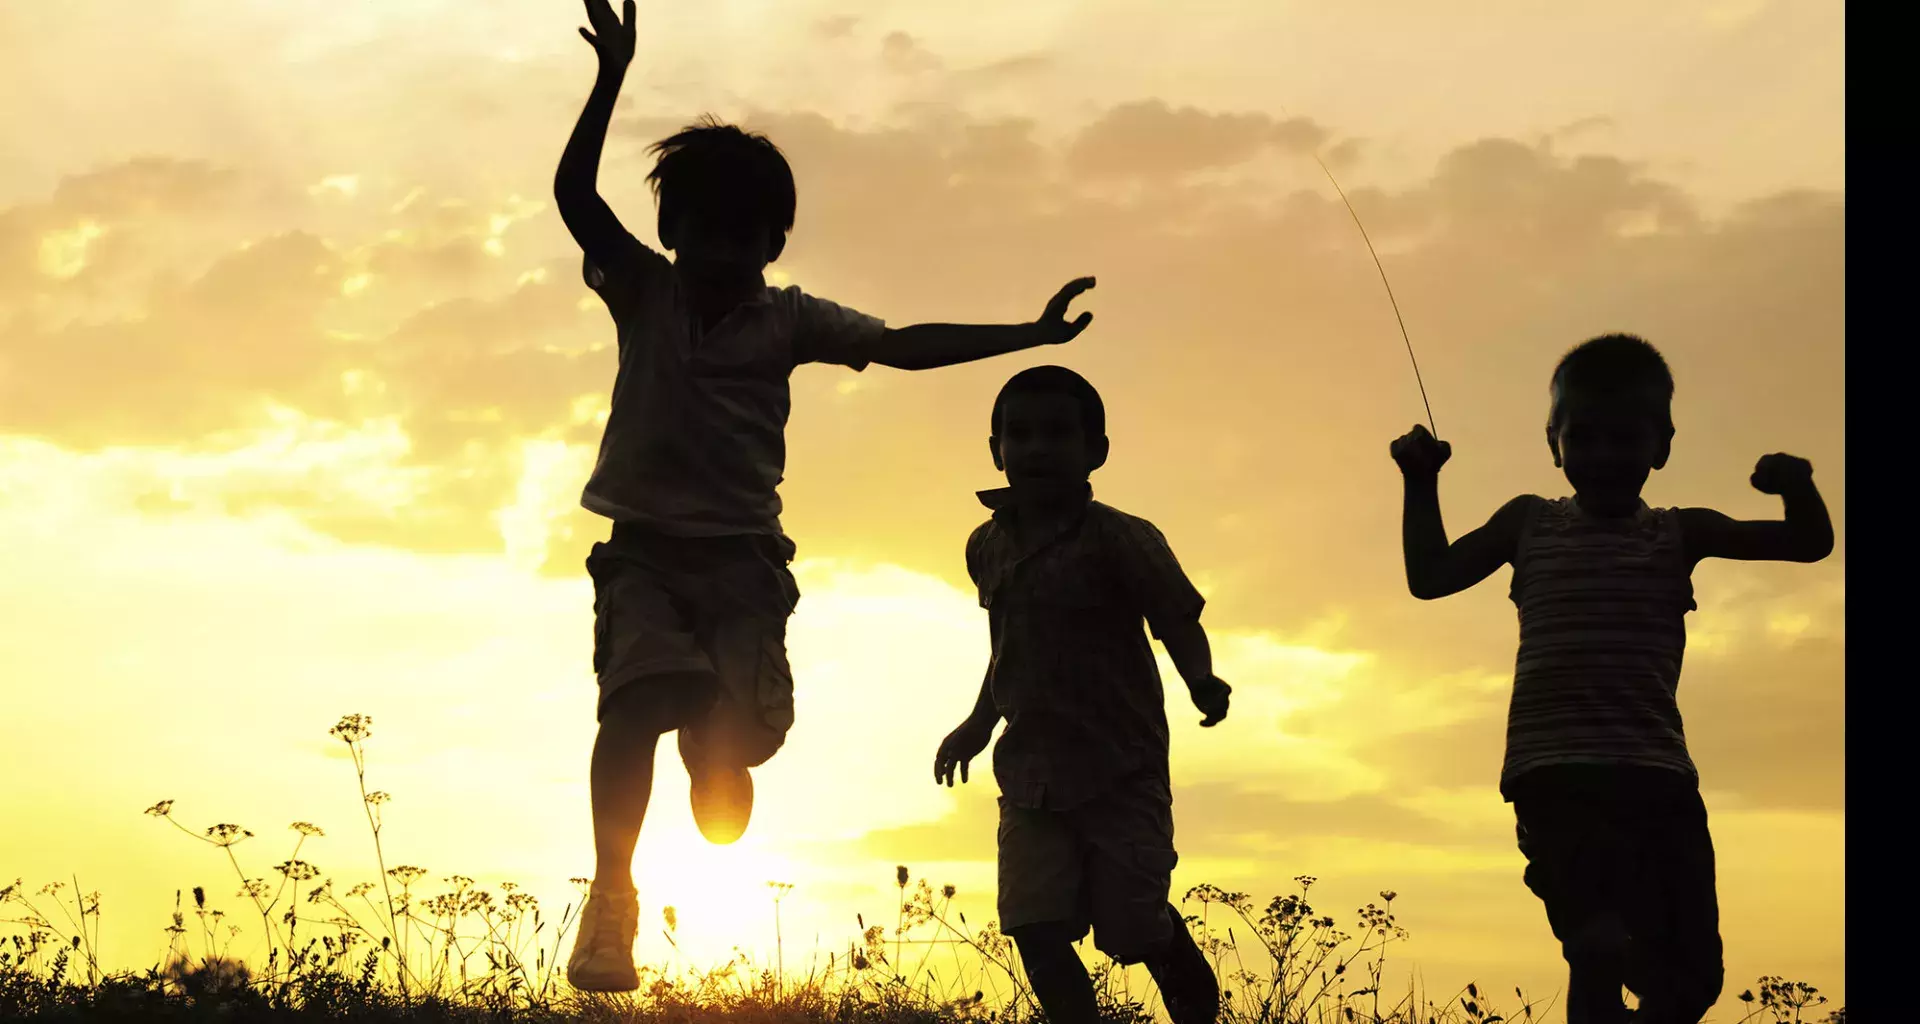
(1073, 673)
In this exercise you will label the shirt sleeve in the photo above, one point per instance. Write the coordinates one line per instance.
(1151, 576)
(630, 273)
(827, 332)
(976, 551)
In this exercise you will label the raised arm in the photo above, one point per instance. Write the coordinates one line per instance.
(576, 190)
(926, 346)
(1804, 533)
(1436, 568)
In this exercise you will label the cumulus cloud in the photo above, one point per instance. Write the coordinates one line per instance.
(902, 54)
(1251, 364)
(338, 296)
(1504, 255)
(1149, 139)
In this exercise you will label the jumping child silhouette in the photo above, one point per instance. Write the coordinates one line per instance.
(691, 590)
(1605, 796)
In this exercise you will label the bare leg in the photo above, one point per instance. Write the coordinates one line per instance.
(621, 775)
(1059, 979)
(1187, 984)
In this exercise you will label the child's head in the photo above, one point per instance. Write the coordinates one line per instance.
(726, 199)
(1611, 421)
(1049, 426)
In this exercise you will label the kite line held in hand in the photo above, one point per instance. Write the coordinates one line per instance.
(1383, 280)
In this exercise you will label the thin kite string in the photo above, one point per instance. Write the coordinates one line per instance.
(1389, 286)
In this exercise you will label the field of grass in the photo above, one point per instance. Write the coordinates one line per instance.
(389, 951)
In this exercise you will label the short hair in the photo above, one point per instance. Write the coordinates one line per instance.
(725, 174)
(1613, 364)
(1055, 380)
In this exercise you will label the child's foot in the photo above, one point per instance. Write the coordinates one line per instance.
(602, 959)
(1186, 980)
(722, 797)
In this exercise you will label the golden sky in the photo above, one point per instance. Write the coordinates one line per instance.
(298, 387)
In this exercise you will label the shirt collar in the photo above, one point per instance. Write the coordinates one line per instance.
(760, 296)
(1002, 501)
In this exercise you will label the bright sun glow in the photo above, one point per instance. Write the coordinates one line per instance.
(300, 385)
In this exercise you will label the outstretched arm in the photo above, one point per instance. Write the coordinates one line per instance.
(1436, 568)
(576, 189)
(926, 346)
(1803, 534)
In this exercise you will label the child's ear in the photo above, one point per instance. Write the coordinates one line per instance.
(667, 233)
(1553, 445)
(1098, 450)
(776, 245)
(993, 445)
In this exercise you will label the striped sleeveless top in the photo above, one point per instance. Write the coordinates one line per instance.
(1603, 607)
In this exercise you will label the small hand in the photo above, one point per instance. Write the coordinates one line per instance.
(1053, 321)
(961, 746)
(1211, 698)
(1779, 473)
(612, 38)
(1419, 452)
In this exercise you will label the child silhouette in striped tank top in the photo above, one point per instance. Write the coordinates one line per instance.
(1606, 799)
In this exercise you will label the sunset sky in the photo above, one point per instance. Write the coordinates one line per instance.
(299, 385)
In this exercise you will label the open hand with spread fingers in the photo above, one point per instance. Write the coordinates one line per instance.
(612, 38)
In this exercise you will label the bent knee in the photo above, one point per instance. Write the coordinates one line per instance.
(721, 735)
(1695, 992)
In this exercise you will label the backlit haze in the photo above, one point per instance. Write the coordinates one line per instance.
(299, 385)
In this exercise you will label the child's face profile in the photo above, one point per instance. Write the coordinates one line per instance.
(721, 250)
(1608, 446)
(1043, 440)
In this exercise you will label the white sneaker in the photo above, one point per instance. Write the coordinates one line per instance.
(602, 959)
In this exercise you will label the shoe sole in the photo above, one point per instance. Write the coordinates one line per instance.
(721, 822)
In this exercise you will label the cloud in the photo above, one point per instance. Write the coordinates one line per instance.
(1149, 139)
(203, 358)
(902, 54)
(838, 26)
(1008, 69)
(1244, 311)
(1593, 125)
(412, 363)
(73, 242)
(145, 184)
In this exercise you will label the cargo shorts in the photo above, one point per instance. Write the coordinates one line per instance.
(700, 623)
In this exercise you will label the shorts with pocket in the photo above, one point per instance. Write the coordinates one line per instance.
(1106, 864)
(700, 624)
